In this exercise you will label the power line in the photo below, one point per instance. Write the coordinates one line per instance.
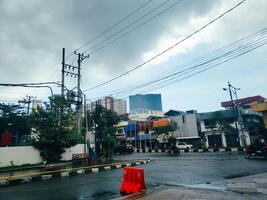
(134, 28)
(230, 54)
(38, 83)
(257, 36)
(166, 50)
(205, 68)
(222, 55)
(111, 27)
(116, 24)
(129, 25)
(193, 74)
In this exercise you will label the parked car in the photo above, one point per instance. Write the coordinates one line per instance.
(183, 145)
(257, 149)
(122, 149)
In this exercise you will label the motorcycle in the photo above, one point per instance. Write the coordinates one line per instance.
(256, 150)
(173, 151)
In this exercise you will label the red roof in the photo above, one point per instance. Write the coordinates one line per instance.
(244, 101)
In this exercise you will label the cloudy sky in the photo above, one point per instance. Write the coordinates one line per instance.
(33, 33)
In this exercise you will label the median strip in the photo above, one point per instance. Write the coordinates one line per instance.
(42, 176)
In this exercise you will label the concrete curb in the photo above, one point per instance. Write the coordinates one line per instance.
(192, 150)
(68, 173)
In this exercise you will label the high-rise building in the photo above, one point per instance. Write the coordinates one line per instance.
(147, 101)
(110, 103)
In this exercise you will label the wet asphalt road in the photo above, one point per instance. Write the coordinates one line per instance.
(189, 169)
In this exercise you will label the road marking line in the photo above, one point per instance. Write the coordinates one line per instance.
(82, 171)
(26, 180)
(64, 174)
(107, 168)
(234, 149)
(3, 182)
(118, 166)
(45, 177)
(95, 170)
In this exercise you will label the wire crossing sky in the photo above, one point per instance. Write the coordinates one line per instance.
(136, 47)
(169, 48)
(199, 65)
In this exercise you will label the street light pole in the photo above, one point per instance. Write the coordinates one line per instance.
(238, 116)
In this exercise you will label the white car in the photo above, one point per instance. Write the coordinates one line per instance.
(183, 145)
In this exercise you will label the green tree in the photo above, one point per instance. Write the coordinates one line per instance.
(54, 128)
(158, 130)
(219, 122)
(166, 132)
(104, 121)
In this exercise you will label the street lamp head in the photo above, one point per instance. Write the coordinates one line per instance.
(225, 89)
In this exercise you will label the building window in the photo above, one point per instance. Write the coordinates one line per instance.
(246, 106)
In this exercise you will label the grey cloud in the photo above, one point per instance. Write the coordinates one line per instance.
(33, 30)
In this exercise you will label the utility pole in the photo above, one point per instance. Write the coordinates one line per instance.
(237, 113)
(73, 97)
(98, 113)
(28, 102)
(63, 72)
(81, 57)
(28, 107)
(86, 127)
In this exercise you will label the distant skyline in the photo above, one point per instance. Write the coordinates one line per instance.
(33, 33)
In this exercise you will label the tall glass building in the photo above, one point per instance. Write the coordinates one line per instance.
(147, 101)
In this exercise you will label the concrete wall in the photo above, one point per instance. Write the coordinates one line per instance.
(67, 155)
(20, 155)
(187, 126)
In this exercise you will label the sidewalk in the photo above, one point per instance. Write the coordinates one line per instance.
(249, 184)
(245, 188)
(189, 194)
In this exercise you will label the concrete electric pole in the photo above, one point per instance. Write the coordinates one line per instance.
(236, 111)
(81, 57)
(73, 97)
